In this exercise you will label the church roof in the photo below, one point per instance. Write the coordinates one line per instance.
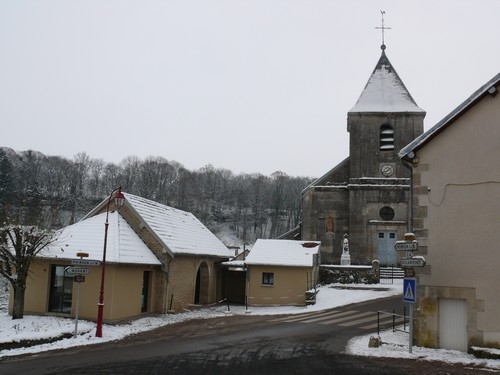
(385, 91)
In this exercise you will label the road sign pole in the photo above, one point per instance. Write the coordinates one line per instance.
(81, 255)
(77, 309)
(410, 344)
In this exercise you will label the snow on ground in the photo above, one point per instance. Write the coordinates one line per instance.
(395, 344)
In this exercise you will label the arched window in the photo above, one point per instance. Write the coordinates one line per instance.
(386, 138)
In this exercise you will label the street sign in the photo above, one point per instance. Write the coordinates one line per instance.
(85, 262)
(77, 270)
(409, 290)
(79, 279)
(413, 262)
(406, 245)
(409, 272)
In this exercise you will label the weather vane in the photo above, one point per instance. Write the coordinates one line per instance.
(383, 28)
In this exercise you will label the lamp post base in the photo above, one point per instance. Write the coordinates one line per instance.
(100, 308)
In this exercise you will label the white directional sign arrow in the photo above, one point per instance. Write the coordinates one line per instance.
(85, 262)
(406, 245)
(77, 270)
(413, 262)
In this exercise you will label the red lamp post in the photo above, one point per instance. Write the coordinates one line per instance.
(119, 199)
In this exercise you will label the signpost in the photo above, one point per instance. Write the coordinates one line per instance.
(409, 290)
(86, 262)
(409, 245)
(409, 272)
(406, 245)
(78, 277)
(77, 270)
(413, 262)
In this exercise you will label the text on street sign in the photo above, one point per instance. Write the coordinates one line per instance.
(406, 246)
(413, 262)
(77, 270)
(86, 262)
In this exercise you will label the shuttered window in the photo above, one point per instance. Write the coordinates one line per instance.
(386, 138)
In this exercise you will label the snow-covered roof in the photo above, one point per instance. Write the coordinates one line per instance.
(180, 231)
(385, 91)
(488, 88)
(283, 253)
(123, 244)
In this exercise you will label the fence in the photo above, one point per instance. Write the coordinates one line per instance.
(397, 319)
(390, 273)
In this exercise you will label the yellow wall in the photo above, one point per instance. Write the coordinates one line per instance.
(290, 285)
(122, 290)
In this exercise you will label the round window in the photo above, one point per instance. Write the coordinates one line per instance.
(386, 213)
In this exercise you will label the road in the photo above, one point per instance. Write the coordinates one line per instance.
(293, 344)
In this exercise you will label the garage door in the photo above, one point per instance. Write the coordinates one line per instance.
(453, 324)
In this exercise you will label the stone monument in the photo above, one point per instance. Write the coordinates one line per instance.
(345, 259)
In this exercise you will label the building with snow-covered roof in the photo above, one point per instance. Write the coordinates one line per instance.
(280, 272)
(367, 194)
(158, 258)
(456, 194)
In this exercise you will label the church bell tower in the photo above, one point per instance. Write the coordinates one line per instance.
(384, 120)
(365, 197)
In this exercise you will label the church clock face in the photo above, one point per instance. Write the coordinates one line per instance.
(387, 170)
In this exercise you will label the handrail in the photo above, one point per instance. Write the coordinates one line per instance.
(394, 315)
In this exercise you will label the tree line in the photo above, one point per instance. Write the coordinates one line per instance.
(53, 191)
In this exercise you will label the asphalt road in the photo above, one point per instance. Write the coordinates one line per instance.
(311, 343)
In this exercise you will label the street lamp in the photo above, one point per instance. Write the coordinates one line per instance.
(119, 199)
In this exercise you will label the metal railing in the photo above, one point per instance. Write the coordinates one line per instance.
(395, 322)
(389, 273)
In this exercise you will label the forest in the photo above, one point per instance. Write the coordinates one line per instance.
(53, 192)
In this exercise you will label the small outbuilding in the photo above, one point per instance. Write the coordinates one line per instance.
(280, 272)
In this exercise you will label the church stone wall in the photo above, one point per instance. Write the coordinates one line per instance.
(325, 219)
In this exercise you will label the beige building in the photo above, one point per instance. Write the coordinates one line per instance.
(456, 180)
(280, 272)
(158, 259)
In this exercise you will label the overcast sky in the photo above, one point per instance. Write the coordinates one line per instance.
(245, 85)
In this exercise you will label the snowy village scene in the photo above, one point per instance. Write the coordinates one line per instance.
(249, 187)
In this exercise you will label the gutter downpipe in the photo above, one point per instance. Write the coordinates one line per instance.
(409, 165)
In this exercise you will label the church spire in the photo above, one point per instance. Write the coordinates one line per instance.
(385, 91)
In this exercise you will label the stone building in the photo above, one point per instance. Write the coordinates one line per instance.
(456, 203)
(366, 195)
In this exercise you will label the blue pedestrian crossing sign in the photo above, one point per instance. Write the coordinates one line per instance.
(409, 290)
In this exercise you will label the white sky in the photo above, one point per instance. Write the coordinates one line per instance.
(246, 85)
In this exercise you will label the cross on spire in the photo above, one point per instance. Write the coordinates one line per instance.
(383, 28)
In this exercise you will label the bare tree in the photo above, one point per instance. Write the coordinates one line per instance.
(19, 244)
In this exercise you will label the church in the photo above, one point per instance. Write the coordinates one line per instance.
(365, 197)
